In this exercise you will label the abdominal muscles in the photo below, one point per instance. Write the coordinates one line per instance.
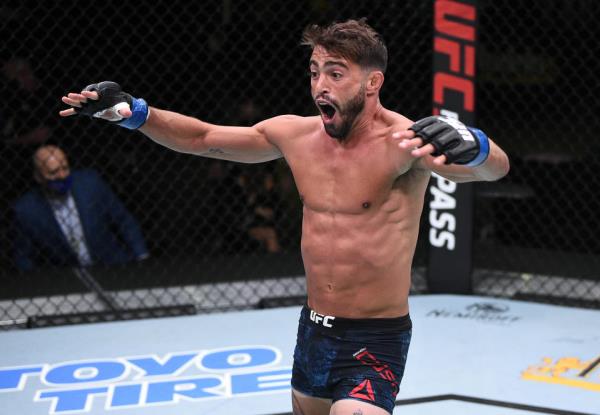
(358, 264)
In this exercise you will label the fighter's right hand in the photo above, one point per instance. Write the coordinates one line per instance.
(106, 100)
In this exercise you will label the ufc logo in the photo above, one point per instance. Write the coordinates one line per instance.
(454, 23)
(321, 319)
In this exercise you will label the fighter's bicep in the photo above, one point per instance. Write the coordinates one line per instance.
(279, 130)
(245, 144)
(267, 140)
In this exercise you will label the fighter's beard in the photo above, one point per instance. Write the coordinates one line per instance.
(348, 115)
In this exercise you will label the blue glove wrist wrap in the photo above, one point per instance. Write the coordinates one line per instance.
(484, 147)
(139, 109)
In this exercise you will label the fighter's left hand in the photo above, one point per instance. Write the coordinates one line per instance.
(409, 141)
(446, 139)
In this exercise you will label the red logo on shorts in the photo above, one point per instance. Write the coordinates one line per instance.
(382, 369)
(363, 391)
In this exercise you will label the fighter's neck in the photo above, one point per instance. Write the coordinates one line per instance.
(365, 122)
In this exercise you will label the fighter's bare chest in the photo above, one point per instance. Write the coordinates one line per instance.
(347, 178)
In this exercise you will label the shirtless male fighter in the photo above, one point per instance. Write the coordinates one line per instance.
(361, 171)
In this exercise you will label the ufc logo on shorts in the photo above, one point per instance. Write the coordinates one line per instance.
(321, 319)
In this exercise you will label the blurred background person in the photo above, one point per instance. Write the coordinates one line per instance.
(262, 202)
(219, 213)
(24, 117)
(72, 218)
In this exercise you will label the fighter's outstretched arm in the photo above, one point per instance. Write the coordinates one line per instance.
(176, 131)
(190, 135)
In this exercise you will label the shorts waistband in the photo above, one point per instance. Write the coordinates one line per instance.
(334, 324)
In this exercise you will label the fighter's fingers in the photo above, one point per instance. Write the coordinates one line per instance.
(404, 135)
(439, 160)
(77, 97)
(125, 112)
(72, 102)
(423, 151)
(115, 113)
(411, 143)
(91, 95)
(68, 112)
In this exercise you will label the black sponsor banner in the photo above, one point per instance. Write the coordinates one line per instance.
(450, 205)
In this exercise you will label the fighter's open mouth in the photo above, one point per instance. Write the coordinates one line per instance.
(327, 110)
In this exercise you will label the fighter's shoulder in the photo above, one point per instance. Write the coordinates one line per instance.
(288, 126)
(395, 120)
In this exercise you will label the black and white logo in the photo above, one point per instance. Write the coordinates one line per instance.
(488, 308)
(485, 312)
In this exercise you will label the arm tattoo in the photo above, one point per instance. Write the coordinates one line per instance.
(357, 412)
(215, 151)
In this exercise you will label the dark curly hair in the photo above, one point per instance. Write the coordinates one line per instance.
(354, 40)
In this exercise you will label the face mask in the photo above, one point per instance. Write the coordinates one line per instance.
(60, 186)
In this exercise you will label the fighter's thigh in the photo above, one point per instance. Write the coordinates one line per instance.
(308, 405)
(355, 407)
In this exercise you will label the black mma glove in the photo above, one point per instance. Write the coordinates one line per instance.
(459, 143)
(111, 98)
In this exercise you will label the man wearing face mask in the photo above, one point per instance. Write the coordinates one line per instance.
(70, 218)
